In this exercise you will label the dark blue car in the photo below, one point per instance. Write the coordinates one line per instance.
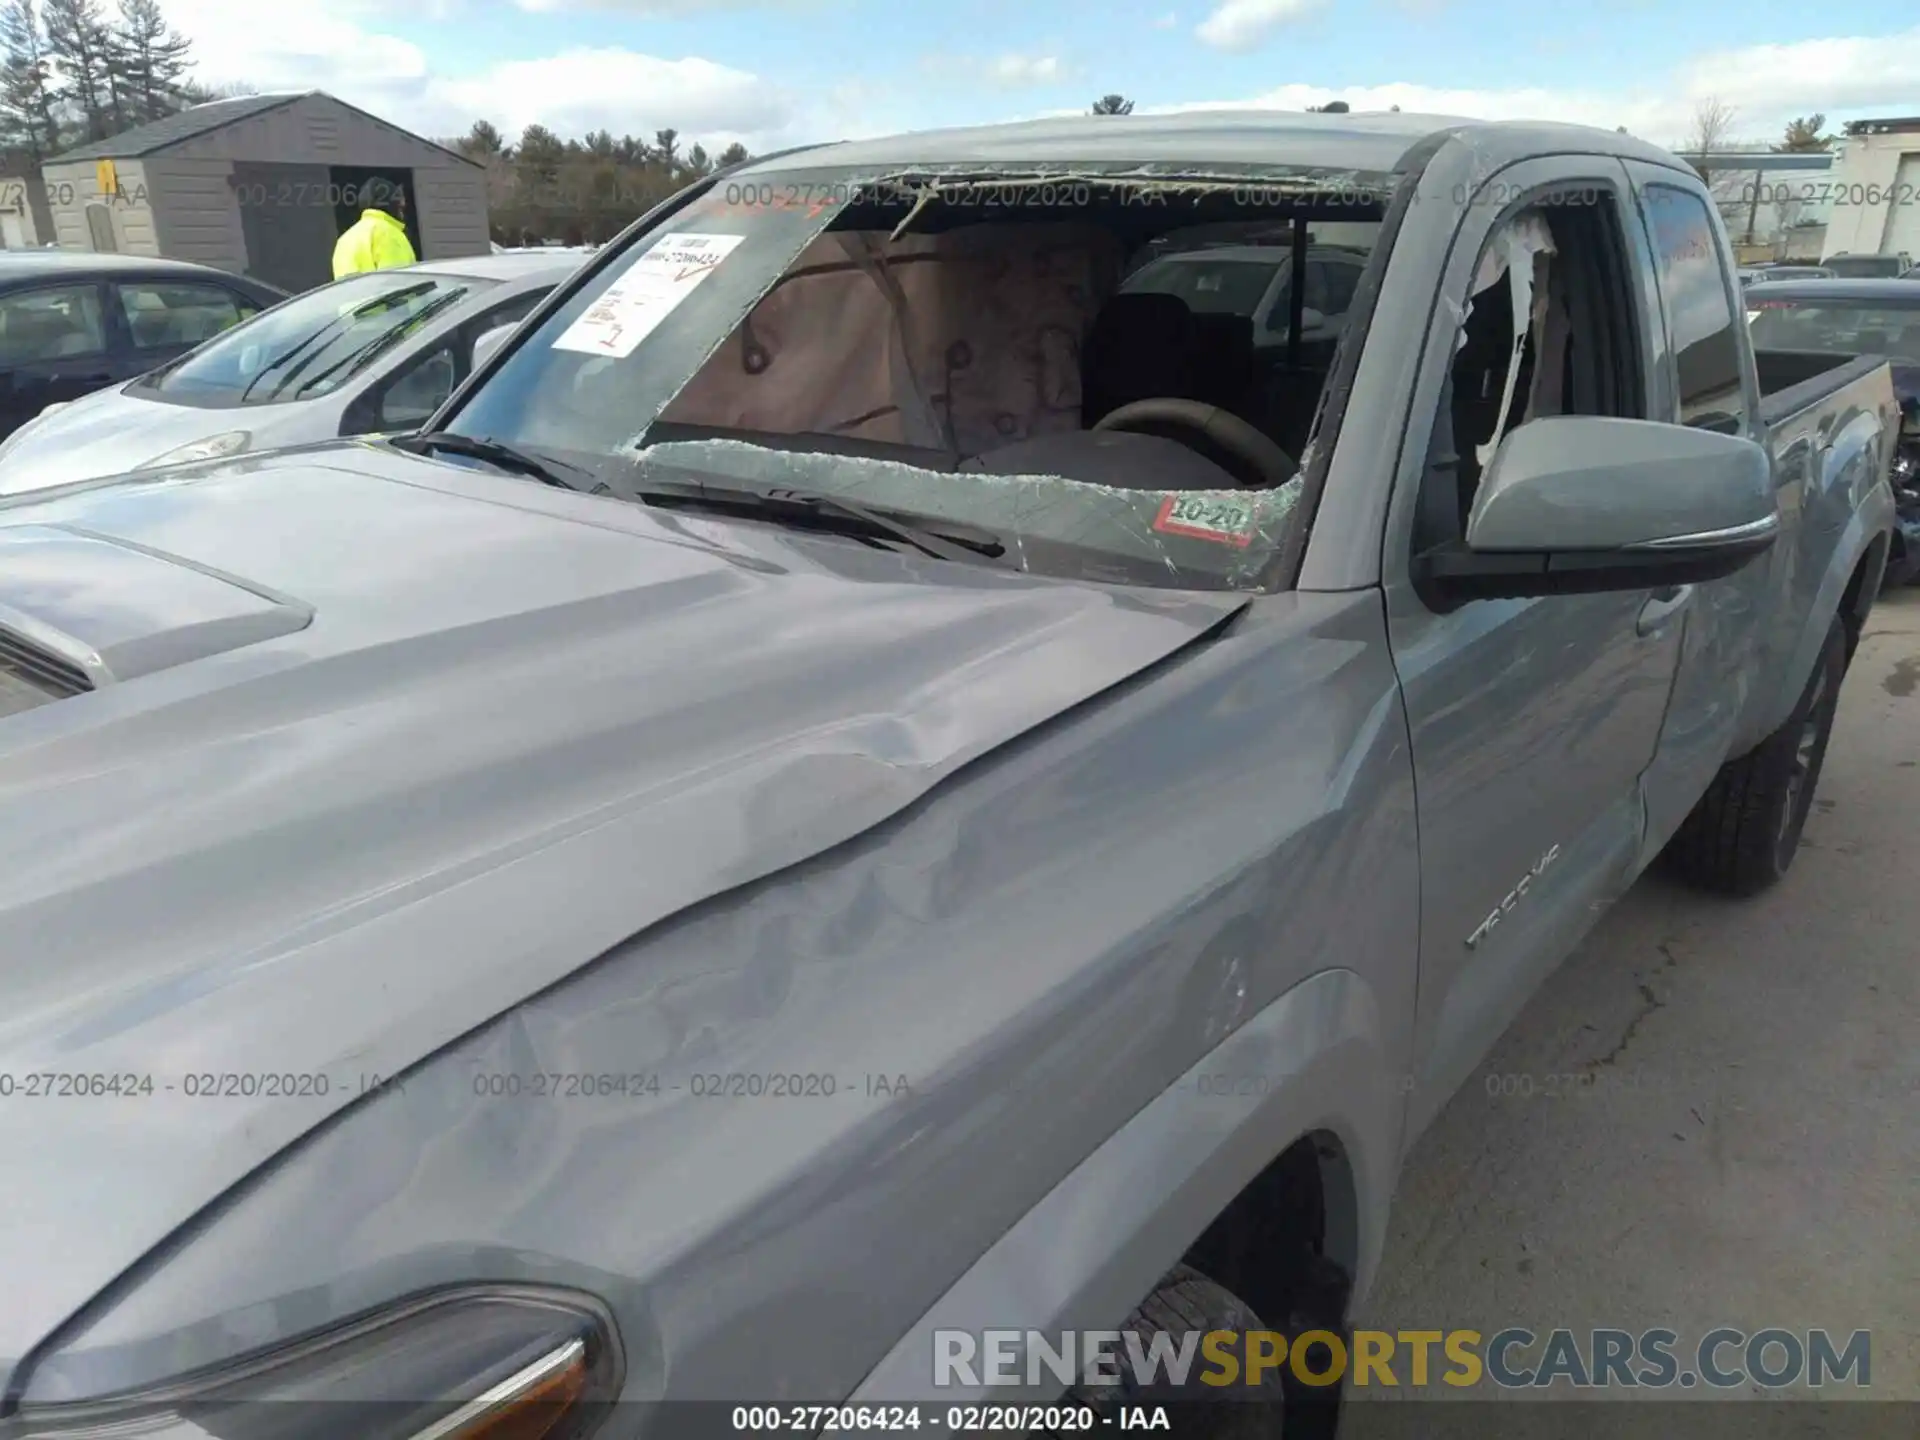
(72, 322)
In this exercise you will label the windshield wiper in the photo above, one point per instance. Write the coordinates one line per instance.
(496, 453)
(354, 361)
(941, 539)
(301, 347)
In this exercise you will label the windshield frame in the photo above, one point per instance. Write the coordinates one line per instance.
(380, 354)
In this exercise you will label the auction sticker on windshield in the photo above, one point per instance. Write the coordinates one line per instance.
(1228, 520)
(644, 296)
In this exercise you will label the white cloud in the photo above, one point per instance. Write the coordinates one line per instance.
(1243, 24)
(1003, 72)
(661, 9)
(1167, 21)
(621, 91)
(1766, 85)
(344, 52)
(1838, 76)
(1011, 70)
(325, 50)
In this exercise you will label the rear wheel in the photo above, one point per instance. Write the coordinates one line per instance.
(1742, 835)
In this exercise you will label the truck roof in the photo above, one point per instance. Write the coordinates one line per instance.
(1376, 142)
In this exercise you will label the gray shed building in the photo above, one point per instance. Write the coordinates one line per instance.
(261, 185)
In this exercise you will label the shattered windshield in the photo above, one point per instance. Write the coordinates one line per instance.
(1067, 362)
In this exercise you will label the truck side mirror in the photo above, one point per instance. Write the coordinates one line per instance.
(1578, 504)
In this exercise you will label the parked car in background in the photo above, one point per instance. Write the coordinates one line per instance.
(1877, 317)
(73, 321)
(371, 353)
(1868, 267)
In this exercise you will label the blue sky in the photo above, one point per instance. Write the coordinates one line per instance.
(773, 72)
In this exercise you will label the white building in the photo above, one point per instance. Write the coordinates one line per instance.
(1876, 190)
(1775, 204)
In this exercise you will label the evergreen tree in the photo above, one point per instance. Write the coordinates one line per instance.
(483, 142)
(27, 116)
(1806, 133)
(80, 46)
(149, 60)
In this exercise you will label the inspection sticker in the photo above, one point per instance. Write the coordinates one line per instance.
(644, 296)
(1224, 519)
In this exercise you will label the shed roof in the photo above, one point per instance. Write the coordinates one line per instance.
(198, 120)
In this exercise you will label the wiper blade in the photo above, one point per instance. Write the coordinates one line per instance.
(339, 321)
(357, 360)
(493, 452)
(941, 539)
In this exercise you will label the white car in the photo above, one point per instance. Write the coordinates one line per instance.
(370, 354)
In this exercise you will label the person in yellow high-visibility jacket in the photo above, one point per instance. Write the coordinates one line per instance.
(378, 239)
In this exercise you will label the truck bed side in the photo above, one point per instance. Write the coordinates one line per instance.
(1831, 421)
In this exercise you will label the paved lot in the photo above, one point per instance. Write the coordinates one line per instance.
(1741, 1145)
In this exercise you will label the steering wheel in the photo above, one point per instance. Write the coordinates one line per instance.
(1259, 459)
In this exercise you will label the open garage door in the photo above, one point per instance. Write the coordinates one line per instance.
(286, 217)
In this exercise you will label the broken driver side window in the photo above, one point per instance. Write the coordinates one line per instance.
(1548, 330)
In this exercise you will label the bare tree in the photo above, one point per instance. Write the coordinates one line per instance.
(1712, 130)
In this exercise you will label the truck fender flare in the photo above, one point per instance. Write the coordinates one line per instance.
(1099, 1241)
(1867, 525)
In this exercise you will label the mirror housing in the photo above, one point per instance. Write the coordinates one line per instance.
(1579, 504)
(488, 344)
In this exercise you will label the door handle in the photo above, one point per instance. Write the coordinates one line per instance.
(1662, 605)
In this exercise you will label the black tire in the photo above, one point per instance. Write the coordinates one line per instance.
(1742, 835)
(1187, 1301)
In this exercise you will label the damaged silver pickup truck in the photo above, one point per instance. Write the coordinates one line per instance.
(969, 731)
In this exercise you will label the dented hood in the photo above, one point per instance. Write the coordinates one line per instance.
(371, 748)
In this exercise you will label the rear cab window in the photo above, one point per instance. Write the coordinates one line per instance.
(311, 345)
(1703, 318)
(915, 341)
